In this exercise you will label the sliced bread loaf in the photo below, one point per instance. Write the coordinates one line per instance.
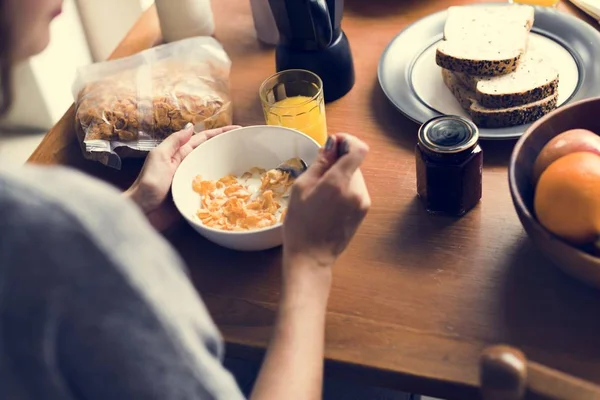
(485, 40)
(534, 79)
(486, 117)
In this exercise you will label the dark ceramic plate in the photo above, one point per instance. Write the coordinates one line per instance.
(412, 82)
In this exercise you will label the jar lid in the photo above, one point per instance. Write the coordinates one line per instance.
(448, 134)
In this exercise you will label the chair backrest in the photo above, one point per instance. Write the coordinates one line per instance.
(506, 374)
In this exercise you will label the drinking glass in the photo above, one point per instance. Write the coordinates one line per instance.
(294, 99)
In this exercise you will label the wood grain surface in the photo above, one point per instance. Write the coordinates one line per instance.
(506, 374)
(416, 298)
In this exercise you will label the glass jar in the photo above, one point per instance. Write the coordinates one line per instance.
(449, 165)
(182, 19)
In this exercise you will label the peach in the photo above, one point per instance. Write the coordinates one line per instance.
(572, 141)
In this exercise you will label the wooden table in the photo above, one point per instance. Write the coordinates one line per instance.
(415, 298)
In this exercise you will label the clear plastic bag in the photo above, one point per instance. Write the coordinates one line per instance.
(126, 107)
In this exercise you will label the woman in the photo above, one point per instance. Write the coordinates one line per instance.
(94, 304)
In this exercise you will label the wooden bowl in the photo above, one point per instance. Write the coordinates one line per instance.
(583, 114)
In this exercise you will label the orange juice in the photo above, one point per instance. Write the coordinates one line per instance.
(543, 3)
(306, 114)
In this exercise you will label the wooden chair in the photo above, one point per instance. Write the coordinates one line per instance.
(506, 374)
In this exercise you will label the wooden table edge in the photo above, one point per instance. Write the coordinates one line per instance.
(348, 369)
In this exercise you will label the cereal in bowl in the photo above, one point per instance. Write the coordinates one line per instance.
(255, 200)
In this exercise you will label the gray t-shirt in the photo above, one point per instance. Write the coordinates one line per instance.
(94, 304)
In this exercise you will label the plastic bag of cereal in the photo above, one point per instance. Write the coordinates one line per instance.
(126, 107)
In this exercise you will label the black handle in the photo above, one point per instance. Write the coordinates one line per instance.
(321, 22)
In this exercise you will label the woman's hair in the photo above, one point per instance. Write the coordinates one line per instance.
(6, 95)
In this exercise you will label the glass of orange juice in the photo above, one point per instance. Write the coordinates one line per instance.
(294, 98)
(543, 3)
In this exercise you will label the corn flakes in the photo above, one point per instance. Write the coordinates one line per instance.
(255, 200)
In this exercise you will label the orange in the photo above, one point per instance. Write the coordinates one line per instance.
(567, 199)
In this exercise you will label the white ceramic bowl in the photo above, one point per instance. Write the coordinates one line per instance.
(235, 152)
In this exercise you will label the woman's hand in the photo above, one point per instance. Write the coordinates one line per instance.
(327, 205)
(152, 186)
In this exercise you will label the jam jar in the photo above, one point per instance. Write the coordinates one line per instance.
(449, 165)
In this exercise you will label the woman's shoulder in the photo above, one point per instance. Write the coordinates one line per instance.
(49, 205)
(54, 182)
(32, 196)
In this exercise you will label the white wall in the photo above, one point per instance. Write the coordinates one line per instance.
(87, 31)
(42, 85)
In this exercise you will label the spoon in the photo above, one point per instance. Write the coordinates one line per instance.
(294, 166)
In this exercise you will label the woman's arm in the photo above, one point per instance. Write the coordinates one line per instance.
(293, 367)
(328, 203)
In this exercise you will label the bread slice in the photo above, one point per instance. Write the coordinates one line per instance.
(486, 40)
(486, 117)
(533, 80)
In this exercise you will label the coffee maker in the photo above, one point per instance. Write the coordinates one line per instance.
(311, 38)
